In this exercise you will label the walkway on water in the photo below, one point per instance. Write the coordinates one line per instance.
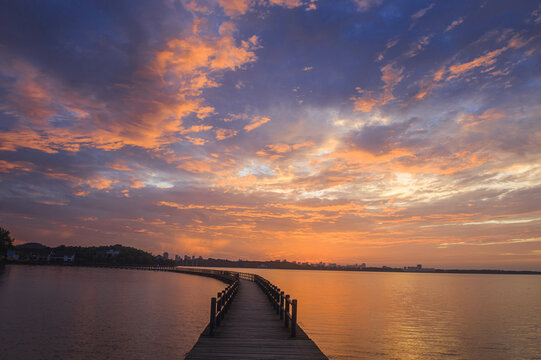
(251, 329)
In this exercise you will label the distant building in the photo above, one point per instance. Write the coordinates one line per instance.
(112, 252)
(12, 254)
(363, 266)
(419, 267)
(33, 252)
(166, 255)
(178, 258)
(61, 256)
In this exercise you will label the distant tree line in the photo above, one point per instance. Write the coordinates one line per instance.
(120, 255)
(92, 255)
(6, 241)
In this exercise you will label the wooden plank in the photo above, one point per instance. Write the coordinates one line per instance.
(251, 329)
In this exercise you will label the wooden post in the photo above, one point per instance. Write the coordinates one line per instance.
(281, 305)
(212, 324)
(277, 301)
(218, 308)
(286, 312)
(294, 318)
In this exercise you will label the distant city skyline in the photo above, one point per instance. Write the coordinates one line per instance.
(396, 132)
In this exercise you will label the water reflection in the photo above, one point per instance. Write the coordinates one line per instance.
(354, 315)
(81, 313)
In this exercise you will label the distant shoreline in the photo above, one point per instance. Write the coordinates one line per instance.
(374, 269)
(393, 270)
(123, 256)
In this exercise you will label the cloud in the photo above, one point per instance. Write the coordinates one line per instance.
(365, 5)
(311, 5)
(457, 70)
(454, 24)
(120, 166)
(418, 46)
(366, 101)
(7, 167)
(146, 123)
(101, 183)
(536, 15)
(235, 7)
(256, 122)
(279, 150)
(222, 134)
(419, 14)
(380, 139)
(151, 112)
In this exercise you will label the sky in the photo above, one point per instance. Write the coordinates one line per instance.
(347, 131)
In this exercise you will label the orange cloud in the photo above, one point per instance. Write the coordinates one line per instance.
(7, 167)
(366, 101)
(455, 71)
(101, 183)
(256, 122)
(196, 129)
(120, 166)
(222, 134)
(235, 7)
(175, 79)
(277, 150)
(196, 166)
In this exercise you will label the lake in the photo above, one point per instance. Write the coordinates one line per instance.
(377, 315)
(80, 313)
(56, 312)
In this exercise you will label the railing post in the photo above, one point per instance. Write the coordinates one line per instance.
(281, 305)
(277, 300)
(286, 312)
(218, 308)
(294, 318)
(212, 324)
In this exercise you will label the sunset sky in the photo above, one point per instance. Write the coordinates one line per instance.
(379, 131)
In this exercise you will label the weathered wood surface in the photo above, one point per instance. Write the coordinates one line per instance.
(251, 329)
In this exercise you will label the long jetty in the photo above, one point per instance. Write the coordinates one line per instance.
(250, 319)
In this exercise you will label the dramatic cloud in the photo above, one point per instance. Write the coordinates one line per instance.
(391, 133)
(365, 5)
(422, 12)
(454, 24)
(256, 122)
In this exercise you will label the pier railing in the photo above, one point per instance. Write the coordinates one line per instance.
(220, 304)
(283, 304)
(226, 276)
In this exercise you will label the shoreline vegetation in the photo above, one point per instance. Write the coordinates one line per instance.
(119, 255)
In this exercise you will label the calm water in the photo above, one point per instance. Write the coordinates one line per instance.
(51, 312)
(353, 315)
(83, 313)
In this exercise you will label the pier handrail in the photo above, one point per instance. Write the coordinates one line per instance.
(220, 304)
(226, 276)
(283, 304)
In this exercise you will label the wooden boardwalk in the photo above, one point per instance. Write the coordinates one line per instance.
(251, 329)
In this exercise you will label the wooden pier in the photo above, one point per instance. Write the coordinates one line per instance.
(251, 329)
(250, 319)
